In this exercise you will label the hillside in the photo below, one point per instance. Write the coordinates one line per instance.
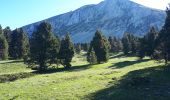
(113, 17)
(119, 79)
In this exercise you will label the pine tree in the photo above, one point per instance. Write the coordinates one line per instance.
(115, 44)
(3, 46)
(43, 47)
(19, 45)
(130, 44)
(163, 41)
(85, 46)
(134, 41)
(91, 56)
(150, 39)
(66, 52)
(7, 33)
(112, 44)
(142, 47)
(78, 48)
(126, 43)
(1, 30)
(54, 50)
(148, 43)
(119, 45)
(101, 47)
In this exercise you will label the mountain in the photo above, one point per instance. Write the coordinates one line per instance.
(112, 17)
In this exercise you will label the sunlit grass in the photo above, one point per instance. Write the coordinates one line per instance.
(81, 82)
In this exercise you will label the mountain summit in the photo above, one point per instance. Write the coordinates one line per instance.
(112, 17)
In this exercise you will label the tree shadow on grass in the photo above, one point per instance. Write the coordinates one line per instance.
(11, 61)
(117, 56)
(16, 76)
(145, 84)
(72, 69)
(127, 63)
(122, 55)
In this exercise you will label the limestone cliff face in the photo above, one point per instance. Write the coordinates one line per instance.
(113, 17)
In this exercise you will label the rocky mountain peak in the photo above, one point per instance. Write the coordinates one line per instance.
(112, 17)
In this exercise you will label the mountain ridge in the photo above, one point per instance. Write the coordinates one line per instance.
(113, 17)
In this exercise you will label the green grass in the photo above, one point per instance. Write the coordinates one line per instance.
(115, 80)
(11, 66)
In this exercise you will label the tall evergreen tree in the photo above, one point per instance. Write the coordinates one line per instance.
(115, 44)
(3, 46)
(85, 46)
(54, 50)
(19, 45)
(43, 47)
(134, 44)
(130, 43)
(142, 47)
(126, 43)
(119, 45)
(7, 33)
(78, 48)
(148, 43)
(112, 44)
(150, 39)
(163, 41)
(101, 47)
(91, 56)
(66, 52)
(1, 30)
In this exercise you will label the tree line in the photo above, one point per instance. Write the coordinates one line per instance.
(43, 48)
(13, 44)
(40, 50)
(155, 44)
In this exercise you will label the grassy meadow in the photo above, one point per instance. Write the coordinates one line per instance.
(122, 78)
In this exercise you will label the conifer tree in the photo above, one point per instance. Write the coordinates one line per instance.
(78, 48)
(130, 44)
(66, 52)
(134, 41)
(119, 45)
(112, 44)
(115, 44)
(1, 30)
(54, 50)
(150, 39)
(91, 56)
(148, 43)
(7, 33)
(43, 47)
(19, 45)
(142, 47)
(126, 43)
(85, 46)
(101, 47)
(163, 41)
(3, 46)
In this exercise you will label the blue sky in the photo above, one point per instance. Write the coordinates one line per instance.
(17, 13)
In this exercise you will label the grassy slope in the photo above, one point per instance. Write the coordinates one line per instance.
(107, 81)
(8, 67)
